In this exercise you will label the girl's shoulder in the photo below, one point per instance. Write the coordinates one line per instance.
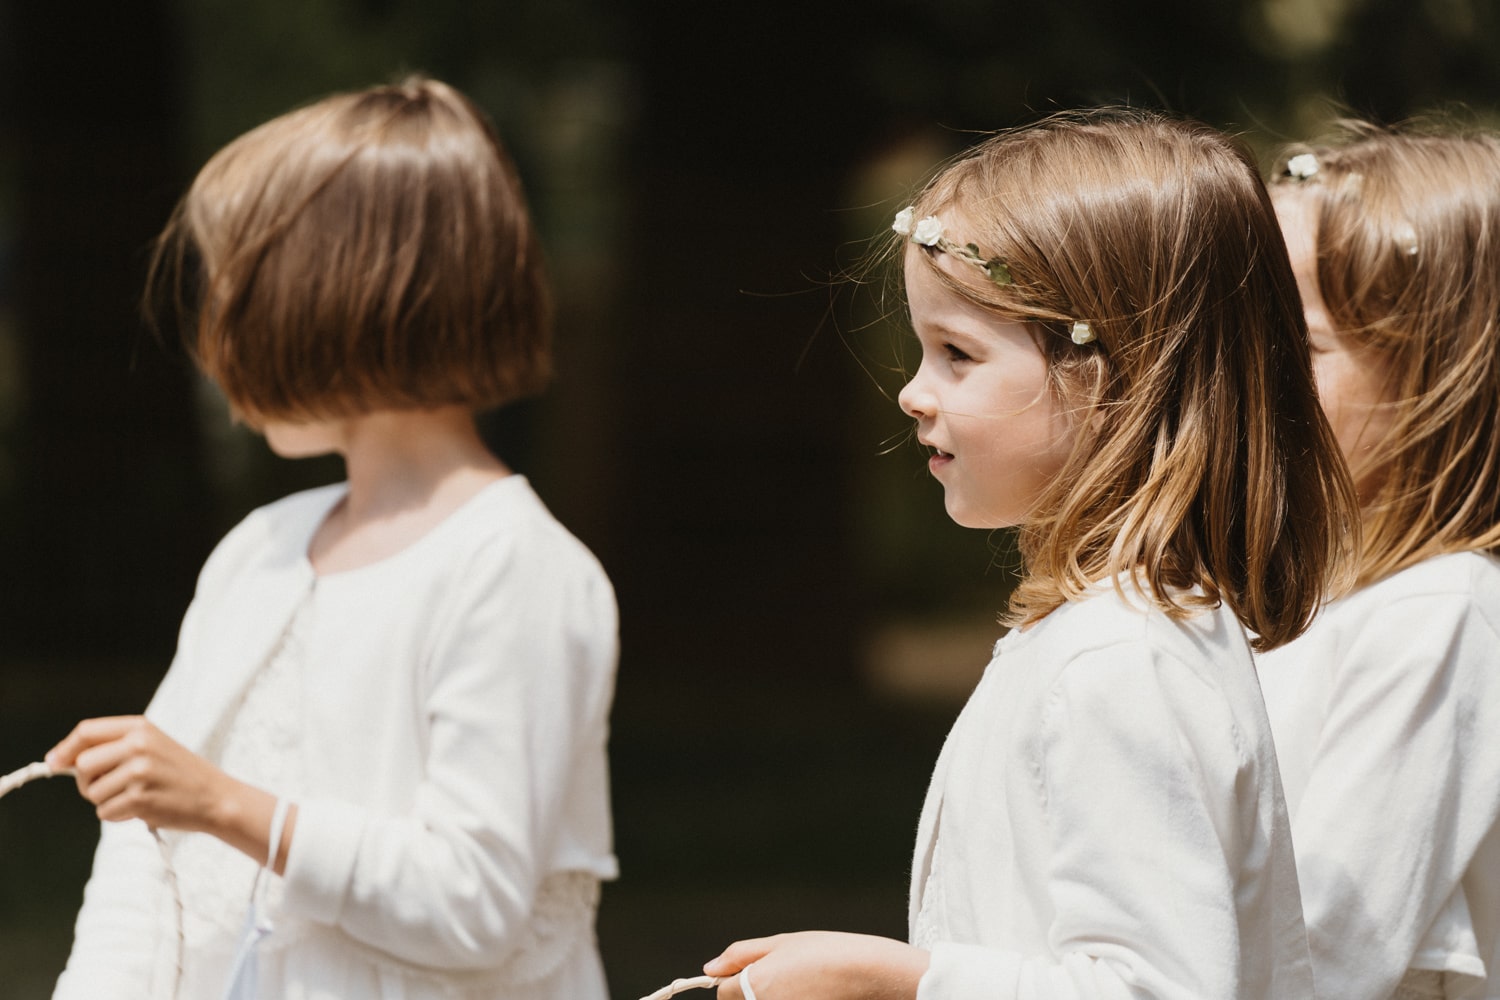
(502, 546)
(1124, 616)
(1117, 639)
(1476, 573)
(277, 533)
(1438, 614)
(510, 520)
(1119, 671)
(1451, 586)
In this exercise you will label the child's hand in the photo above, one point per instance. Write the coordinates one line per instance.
(822, 964)
(130, 769)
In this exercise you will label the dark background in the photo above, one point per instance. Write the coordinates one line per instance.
(799, 618)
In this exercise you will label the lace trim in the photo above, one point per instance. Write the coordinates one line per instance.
(562, 920)
(258, 741)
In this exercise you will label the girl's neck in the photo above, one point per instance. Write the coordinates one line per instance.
(407, 471)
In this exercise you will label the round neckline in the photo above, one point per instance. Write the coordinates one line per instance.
(423, 541)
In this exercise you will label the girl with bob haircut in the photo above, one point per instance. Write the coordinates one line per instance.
(1113, 358)
(1386, 710)
(376, 766)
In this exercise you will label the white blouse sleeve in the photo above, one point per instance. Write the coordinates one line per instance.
(119, 931)
(1404, 785)
(516, 694)
(126, 917)
(1137, 765)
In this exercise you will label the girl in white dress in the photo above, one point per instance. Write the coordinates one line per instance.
(1113, 359)
(1387, 711)
(376, 767)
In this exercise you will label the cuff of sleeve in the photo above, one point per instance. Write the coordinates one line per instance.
(961, 971)
(320, 862)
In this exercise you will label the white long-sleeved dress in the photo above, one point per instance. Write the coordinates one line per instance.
(445, 745)
(1387, 721)
(1106, 821)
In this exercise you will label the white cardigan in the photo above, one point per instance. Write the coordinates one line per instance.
(1106, 821)
(456, 697)
(1387, 719)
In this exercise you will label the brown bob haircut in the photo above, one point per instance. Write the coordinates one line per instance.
(1203, 469)
(371, 251)
(1408, 263)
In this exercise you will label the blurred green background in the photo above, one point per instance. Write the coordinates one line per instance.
(800, 621)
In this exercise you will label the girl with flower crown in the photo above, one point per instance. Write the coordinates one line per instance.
(376, 766)
(1113, 360)
(1387, 710)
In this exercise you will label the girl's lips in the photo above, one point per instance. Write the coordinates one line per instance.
(938, 460)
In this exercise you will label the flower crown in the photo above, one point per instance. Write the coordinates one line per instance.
(1301, 167)
(928, 232)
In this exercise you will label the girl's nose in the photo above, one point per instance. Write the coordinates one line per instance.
(914, 399)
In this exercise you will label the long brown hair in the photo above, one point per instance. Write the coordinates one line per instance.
(1408, 263)
(370, 251)
(1203, 469)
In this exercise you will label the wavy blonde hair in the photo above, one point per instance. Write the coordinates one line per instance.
(1203, 469)
(1408, 263)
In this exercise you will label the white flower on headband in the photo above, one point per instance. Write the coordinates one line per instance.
(1302, 166)
(929, 231)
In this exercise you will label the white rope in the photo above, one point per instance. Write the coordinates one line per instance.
(28, 774)
(41, 769)
(677, 986)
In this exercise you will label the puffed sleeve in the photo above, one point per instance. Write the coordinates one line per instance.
(515, 692)
(1140, 771)
(1404, 785)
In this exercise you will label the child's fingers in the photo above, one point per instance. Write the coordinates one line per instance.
(99, 760)
(739, 955)
(88, 733)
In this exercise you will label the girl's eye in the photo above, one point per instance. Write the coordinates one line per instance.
(955, 353)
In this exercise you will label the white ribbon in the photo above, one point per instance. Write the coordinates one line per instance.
(744, 982)
(244, 973)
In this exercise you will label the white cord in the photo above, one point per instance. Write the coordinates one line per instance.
(166, 863)
(28, 774)
(41, 769)
(677, 986)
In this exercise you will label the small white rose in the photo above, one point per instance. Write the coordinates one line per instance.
(1082, 333)
(929, 231)
(1302, 166)
(903, 221)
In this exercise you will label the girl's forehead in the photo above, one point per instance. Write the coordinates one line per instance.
(1297, 215)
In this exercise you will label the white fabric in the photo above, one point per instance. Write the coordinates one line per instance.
(455, 700)
(258, 741)
(1387, 721)
(1106, 821)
